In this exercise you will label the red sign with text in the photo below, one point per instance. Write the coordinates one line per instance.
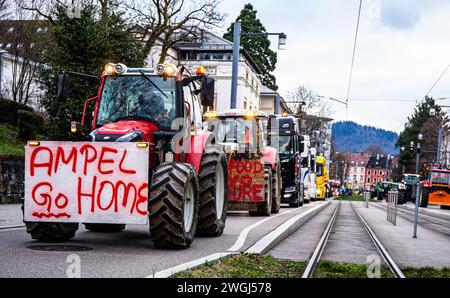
(246, 181)
(86, 182)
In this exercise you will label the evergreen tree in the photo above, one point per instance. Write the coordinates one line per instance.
(258, 47)
(420, 122)
(82, 45)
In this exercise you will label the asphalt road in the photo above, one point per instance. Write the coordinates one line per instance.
(126, 254)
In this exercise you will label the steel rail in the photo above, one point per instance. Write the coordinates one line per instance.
(389, 261)
(321, 246)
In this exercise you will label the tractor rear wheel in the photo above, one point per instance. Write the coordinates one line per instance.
(213, 179)
(265, 208)
(105, 228)
(173, 206)
(276, 188)
(51, 232)
(425, 193)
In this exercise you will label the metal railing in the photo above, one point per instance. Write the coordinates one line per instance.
(392, 201)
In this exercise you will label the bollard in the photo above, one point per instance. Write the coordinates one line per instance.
(367, 199)
(416, 213)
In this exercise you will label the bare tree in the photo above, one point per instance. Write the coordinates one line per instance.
(168, 22)
(5, 11)
(25, 41)
(314, 110)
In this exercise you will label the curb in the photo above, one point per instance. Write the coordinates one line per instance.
(283, 231)
(192, 265)
(11, 227)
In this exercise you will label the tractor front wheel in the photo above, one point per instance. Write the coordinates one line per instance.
(213, 179)
(265, 208)
(51, 232)
(173, 206)
(276, 189)
(425, 193)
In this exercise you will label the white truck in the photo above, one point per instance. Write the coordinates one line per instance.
(308, 170)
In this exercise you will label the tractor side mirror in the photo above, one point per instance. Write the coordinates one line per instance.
(63, 87)
(207, 92)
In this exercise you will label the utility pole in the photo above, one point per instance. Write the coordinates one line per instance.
(438, 160)
(416, 212)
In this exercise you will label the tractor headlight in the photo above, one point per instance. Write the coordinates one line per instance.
(134, 136)
(110, 69)
(290, 189)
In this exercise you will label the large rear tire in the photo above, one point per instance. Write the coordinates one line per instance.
(51, 232)
(173, 206)
(213, 178)
(425, 193)
(105, 228)
(265, 208)
(276, 188)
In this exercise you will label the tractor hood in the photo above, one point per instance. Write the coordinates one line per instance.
(112, 131)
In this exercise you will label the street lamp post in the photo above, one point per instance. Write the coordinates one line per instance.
(236, 55)
(416, 212)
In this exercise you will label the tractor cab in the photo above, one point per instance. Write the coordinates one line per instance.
(436, 187)
(254, 168)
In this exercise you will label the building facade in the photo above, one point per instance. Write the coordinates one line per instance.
(357, 164)
(216, 55)
(379, 169)
(268, 101)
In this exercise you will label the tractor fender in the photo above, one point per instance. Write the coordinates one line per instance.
(270, 156)
(199, 141)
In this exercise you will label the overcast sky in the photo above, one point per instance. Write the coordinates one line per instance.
(403, 47)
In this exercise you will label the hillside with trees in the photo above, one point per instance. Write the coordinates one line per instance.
(351, 137)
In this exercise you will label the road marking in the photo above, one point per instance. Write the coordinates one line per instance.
(190, 265)
(282, 231)
(7, 228)
(244, 233)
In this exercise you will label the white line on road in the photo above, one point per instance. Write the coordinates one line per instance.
(7, 228)
(244, 233)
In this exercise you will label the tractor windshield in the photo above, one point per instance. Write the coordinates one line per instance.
(135, 98)
(439, 178)
(286, 145)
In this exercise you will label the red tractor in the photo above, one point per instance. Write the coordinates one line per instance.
(254, 170)
(158, 109)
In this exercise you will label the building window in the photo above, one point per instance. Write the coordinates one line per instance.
(374, 180)
(380, 180)
(381, 173)
(368, 180)
(368, 172)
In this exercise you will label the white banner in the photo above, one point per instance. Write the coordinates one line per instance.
(86, 183)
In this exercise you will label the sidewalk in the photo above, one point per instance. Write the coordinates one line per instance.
(10, 215)
(430, 249)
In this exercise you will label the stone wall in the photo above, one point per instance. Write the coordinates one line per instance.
(12, 171)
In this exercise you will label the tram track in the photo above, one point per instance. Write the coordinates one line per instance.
(324, 241)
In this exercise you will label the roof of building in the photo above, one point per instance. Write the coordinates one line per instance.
(358, 159)
(379, 162)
